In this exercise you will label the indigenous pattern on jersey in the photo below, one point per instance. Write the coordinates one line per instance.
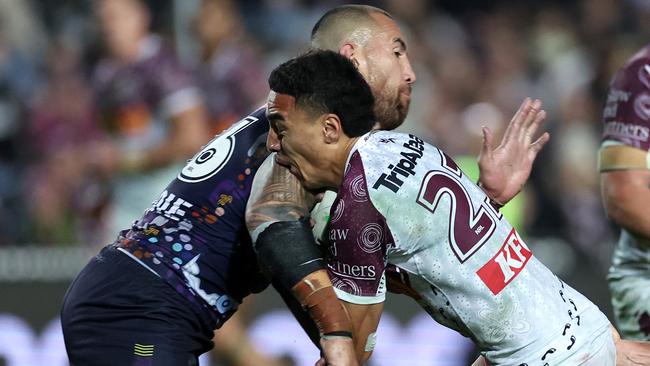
(194, 236)
(405, 203)
(627, 122)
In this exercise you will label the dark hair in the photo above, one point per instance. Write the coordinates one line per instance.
(326, 82)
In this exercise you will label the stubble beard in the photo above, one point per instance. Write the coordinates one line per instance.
(389, 111)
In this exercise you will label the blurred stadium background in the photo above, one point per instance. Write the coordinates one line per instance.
(475, 62)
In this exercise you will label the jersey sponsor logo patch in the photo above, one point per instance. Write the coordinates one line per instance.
(354, 271)
(626, 131)
(509, 261)
(404, 168)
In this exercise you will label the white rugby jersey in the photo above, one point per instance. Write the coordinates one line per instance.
(404, 203)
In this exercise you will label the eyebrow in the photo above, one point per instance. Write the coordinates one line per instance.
(401, 43)
(275, 116)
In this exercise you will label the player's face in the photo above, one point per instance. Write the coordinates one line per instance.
(297, 138)
(121, 21)
(387, 69)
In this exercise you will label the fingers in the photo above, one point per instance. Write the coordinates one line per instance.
(532, 114)
(486, 149)
(534, 125)
(515, 122)
(536, 146)
(321, 362)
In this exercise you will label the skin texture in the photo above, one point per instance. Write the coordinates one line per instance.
(300, 138)
(384, 62)
(276, 196)
(626, 195)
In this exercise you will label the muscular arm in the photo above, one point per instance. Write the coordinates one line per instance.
(626, 196)
(287, 253)
(276, 195)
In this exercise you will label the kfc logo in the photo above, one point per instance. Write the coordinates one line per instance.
(506, 264)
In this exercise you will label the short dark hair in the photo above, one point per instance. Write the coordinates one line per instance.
(326, 82)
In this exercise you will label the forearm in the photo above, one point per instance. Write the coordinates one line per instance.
(288, 254)
(365, 320)
(626, 197)
(299, 313)
(276, 196)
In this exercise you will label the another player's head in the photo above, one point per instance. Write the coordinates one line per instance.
(318, 104)
(123, 24)
(370, 37)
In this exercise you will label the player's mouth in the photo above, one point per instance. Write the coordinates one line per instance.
(296, 172)
(405, 96)
(287, 164)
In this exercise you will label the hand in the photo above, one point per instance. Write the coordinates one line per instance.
(630, 353)
(480, 361)
(505, 169)
(337, 351)
(397, 282)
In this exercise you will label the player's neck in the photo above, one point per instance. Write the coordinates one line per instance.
(341, 159)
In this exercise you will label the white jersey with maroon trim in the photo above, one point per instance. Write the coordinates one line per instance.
(405, 203)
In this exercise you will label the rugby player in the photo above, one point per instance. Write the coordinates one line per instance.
(625, 184)
(405, 203)
(156, 294)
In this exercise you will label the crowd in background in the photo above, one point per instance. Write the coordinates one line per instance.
(79, 106)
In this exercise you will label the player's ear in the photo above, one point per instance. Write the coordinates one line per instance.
(349, 50)
(332, 128)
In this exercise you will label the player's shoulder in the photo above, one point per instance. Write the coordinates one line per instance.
(240, 147)
(386, 143)
(636, 71)
(391, 159)
(259, 113)
(255, 119)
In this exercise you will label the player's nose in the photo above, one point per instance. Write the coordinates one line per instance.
(272, 141)
(409, 74)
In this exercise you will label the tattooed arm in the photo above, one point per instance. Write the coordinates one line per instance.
(276, 195)
(277, 217)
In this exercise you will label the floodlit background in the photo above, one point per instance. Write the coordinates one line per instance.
(475, 62)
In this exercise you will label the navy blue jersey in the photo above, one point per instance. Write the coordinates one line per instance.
(194, 236)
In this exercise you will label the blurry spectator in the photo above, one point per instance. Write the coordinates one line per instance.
(149, 105)
(230, 72)
(576, 180)
(20, 38)
(67, 196)
(24, 45)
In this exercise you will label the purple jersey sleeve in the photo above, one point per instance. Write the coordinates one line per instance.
(359, 239)
(626, 115)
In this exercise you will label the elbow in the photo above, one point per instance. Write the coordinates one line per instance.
(615, 210)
